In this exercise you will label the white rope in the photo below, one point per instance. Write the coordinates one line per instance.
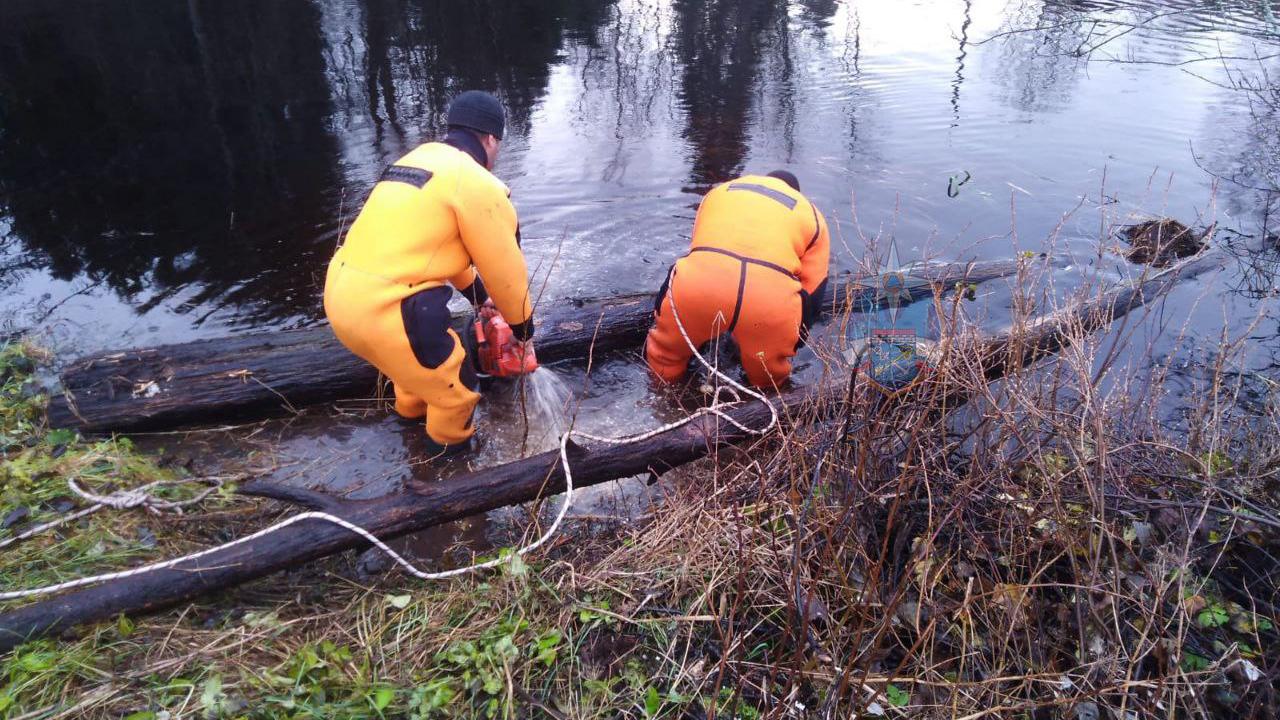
(142, 496)
(713, 409)
(121, 500)
(32, 532)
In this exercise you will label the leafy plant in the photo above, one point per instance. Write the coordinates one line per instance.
(324, 680)
(1215, 615)
(1192, 662)
(545, 648)
(213, 700)
(431, 698)
(652, 702)
(897, 696)
(480, 666)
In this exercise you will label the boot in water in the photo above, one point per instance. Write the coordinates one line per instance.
(436, 451)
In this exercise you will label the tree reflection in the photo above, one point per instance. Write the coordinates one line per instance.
(720, 44)
(819, 12)
(1039, 51)
(422, 52)
(960, 59)
(145, 144)
(166, 148)
(1249, 181)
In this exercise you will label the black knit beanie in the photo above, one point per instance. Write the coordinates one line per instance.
(787, 178)
(477, 110)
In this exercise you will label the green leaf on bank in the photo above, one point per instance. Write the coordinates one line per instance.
(1213, 616)
(652, 702)
(382, 697)
(1191, 662)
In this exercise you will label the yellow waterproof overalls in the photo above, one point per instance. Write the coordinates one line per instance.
(756, 269)
(435, 218)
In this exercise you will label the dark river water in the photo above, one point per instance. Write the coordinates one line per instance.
(172, 170)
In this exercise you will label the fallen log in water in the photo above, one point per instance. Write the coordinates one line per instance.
(1001, 352)
(263, 373)
(521, 481)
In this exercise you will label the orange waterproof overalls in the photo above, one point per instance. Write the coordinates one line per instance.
(756, 266)
(436, 217)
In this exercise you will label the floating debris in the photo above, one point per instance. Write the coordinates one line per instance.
(1161, 242)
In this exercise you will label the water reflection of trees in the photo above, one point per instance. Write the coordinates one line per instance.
(1247, 166)
(720, 44)
(960, 60)
(421, 52)
(1045, 43)
(1037, 51)
(626, 72)
(819, 12)
(143, 143)
(190, 147)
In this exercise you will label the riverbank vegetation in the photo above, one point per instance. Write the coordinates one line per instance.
(1052, 545)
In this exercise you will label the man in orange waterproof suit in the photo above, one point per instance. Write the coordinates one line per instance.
(436, 221)
(756, 269)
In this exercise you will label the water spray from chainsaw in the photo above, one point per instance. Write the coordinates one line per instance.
(545, 395)
(549, 397)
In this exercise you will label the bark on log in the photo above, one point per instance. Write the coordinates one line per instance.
(517, 482)
(264, 373)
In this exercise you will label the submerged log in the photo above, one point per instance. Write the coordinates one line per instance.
(521, 481)
(1001, 352)
(265, 373)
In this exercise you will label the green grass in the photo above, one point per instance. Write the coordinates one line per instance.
(37, 463)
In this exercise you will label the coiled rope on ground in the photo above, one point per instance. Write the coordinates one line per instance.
(141, 496)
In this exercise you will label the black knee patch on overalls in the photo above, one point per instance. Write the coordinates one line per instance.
(426, 324)
(663, 290)
(811, 307)
(469, 372)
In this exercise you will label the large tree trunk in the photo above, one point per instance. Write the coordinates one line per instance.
(263, 373)
(524, 480)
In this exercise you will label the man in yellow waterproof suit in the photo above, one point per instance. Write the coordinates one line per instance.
(436, 218)
(756, 269)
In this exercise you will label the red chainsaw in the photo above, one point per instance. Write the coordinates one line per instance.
(498, 352)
